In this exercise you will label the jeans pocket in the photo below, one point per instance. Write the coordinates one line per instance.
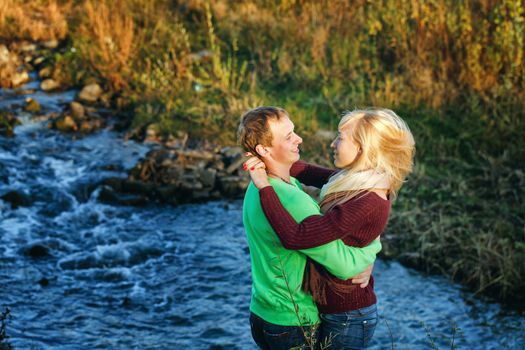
(350, 330)
(369, 326)
(340, 319)
(283, 340)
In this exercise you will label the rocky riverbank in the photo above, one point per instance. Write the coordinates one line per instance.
(180, 175)
(24, 62)
(176, 170)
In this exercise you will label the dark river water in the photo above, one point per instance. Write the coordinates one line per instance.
(80, 274)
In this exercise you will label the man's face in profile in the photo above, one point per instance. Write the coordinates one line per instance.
(285, 143)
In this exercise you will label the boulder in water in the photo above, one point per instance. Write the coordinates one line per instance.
(77, 110)
(66, 124)
(16, 199)
(7, 124)
(109, 195)
(49, 84)
(32, 105)
(37, 251)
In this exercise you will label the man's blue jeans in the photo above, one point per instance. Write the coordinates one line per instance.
(269, 336)
(350, 330)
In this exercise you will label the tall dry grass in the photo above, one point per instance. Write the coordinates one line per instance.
(30, 20)
(106, 37)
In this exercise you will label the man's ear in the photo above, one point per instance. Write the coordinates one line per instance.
(263, 151)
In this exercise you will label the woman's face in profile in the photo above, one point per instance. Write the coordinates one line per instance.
(344, 146)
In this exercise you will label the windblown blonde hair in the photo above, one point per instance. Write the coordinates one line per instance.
(386, 156)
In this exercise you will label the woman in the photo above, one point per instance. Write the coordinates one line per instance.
(374, 151)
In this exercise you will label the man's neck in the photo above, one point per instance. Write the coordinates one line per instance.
(281, 171)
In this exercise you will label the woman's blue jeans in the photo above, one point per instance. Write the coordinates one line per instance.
(269, 336)
(349, 330)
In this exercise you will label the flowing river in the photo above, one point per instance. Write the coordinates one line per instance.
(80, 274)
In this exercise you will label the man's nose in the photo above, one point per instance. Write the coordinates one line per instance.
(299, 140)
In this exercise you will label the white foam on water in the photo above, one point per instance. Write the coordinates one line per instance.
(113, 252)
(66, 171)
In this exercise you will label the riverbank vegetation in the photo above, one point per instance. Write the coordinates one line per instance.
(454, 70)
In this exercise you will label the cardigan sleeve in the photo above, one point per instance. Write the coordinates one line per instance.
(310, 174)
(342, 222)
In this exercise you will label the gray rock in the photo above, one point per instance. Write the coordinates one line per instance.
(236, 164)
(139, 187)
(232, 186)
(49, 84)
(231, 152)
(168, 194)
(208, 177)
(171, 175)
(90, 93)
(191, 183)
(201, 194)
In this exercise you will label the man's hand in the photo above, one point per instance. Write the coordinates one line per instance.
(257, 170)
(364, 277)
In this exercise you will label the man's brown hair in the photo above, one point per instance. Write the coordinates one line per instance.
(254, 128)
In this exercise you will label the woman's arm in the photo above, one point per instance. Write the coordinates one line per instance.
(310, 174)
(358, 221)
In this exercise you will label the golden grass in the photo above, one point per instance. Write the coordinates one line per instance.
(107, 38)
(45, 20)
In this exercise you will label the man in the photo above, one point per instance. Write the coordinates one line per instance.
(282, 314)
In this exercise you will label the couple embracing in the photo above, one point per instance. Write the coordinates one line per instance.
(311, 262)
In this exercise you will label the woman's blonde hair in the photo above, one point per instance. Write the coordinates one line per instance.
(386, 156)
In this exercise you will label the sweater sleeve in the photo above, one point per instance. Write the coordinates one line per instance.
(311, 175)
(344, 261)
(343, 221)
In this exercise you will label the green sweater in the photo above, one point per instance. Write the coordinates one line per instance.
(270, 260)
